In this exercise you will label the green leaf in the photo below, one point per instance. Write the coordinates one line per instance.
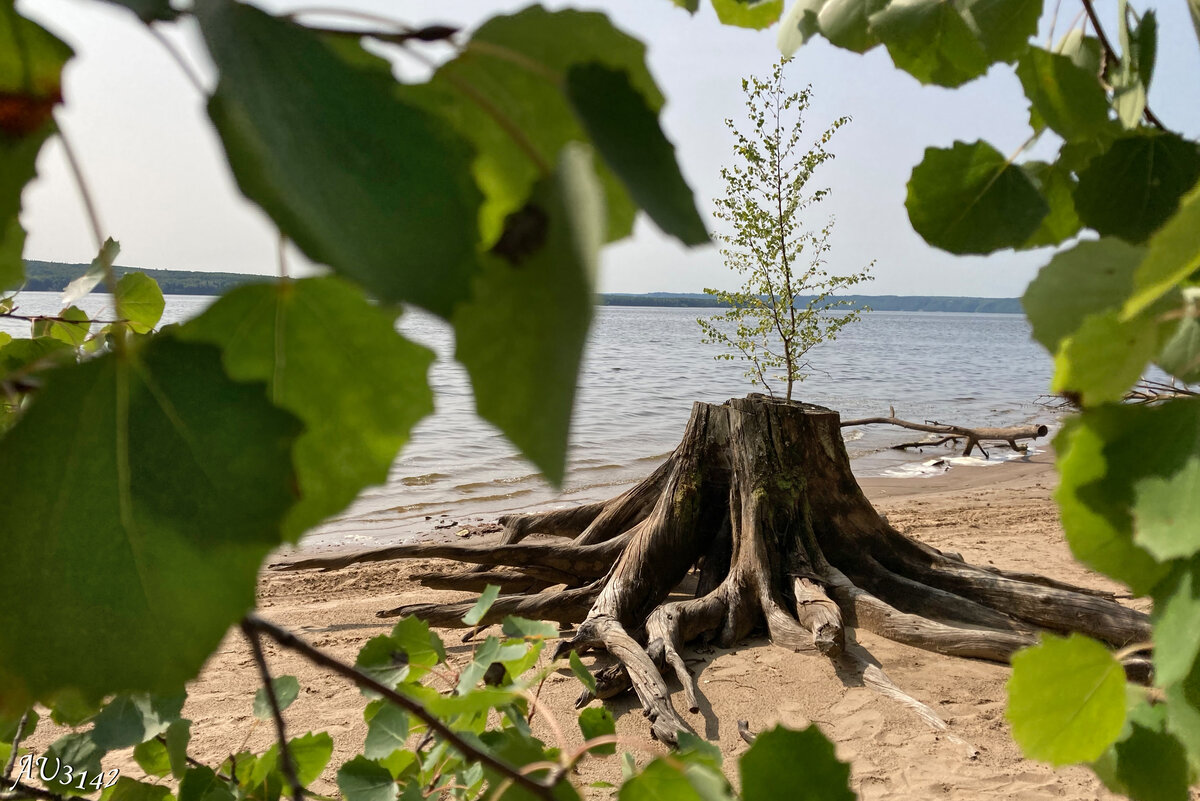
(1104, 357)
(625, 132)
(81, 753)
(1180, 356)
(1057, 187)
(140, 301)
(1095, 494)
(1173, 254)
(525, 381)
(658, 781)
(178, 479)
(518, 63)
(1146, 763)
(1136, 185)
(127, 789)
(1166, 506)
(1131, 76)
(1177, 623)
(405, 655)
(361, 779)
(131, 719)
(18, 160)
(96, 272)
(756, 14)
(582, 673)
(310, 755)
(149, 10)
(1194, 8)
(1085, 52)
(596, 721)
(178, 735)
(1090, 278)
(287, 688)
(802, 761)
(1004, 26)
(486, 599)
(1067, 98)
(386, 732)
(335, 361)
(20, 355)
(970, 199)
(523, 627)
(201, 784)
(798, 25)
(487, 653)
(387, 200)
(930, 40)
(151, 756)
(1066, 699)
(694, 748)
(71, 333)
(845, 23)
(11, 721)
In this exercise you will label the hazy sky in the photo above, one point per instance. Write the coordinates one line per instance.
(157, 172)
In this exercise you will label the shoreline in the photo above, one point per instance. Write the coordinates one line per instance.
(1003, 516)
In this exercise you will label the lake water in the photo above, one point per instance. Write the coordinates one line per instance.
(643, 370)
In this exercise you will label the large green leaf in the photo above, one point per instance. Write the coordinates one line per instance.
(1094, 498)
(131, 481)
(1183, 712)
(149, 10)
(517, 64)
(362, 779)
(748, 13)
(1146, 763)
(140, 301)
(1177, 623)
(1066, 699)
(1090, 278)
(334, 360)
(1057, 187)
(71, 328)
(1104, 357)
(1173, 255)
(801, 761)
(970, 199)
(127, 789)
(31, 62)
(131, 719)
(546, 260)
(798, 25)
(1135, 186)
(625, 133)
(1180, 355)
(931, 41)
(596, 721)
(1064, 96)
(66, 758)
(201, 784)
(386, 731)
(846, 24)
(310, 754)
(1004, 26)
(375, 187)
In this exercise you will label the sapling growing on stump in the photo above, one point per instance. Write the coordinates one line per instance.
(786, 305)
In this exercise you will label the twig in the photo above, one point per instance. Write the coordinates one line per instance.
(85, 193)
(16, 743)
(285, 754)
(744, 731)
(20, 790)
(186, 68)
(33, 318)
(291, 641)
(1112, 54)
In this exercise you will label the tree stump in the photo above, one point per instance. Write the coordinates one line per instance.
(760, 499)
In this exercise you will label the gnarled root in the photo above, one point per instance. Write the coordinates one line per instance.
(760, 500)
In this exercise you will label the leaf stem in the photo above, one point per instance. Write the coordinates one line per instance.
(294, 643)
(1151, 117)
(192, 76)
(285, 754)
(86, 194)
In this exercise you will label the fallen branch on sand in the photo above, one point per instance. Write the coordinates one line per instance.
(952, 433)
(760, 501)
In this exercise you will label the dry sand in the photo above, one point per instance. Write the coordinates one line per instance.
(1001, 515)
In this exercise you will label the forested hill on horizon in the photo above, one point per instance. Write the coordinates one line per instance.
(44, 276)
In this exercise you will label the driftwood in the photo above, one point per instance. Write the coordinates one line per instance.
(760, 501)
(951, 433)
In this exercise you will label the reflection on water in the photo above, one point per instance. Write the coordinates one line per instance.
(643, 370)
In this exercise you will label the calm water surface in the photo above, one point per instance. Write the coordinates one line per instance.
(643, 370)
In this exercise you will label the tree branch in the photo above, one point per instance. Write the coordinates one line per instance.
(1151, 117)
(285, 755)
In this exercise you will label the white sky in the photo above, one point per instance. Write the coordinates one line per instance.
(156, 169)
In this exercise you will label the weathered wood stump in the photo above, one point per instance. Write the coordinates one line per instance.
(760, 499)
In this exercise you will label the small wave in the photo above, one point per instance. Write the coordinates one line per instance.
(423, 480)
(852, 436)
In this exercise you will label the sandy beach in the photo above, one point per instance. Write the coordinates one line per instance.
(1002, 515)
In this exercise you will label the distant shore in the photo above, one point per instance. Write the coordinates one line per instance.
(45, 276)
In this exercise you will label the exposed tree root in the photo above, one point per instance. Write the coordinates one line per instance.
(760, 500)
